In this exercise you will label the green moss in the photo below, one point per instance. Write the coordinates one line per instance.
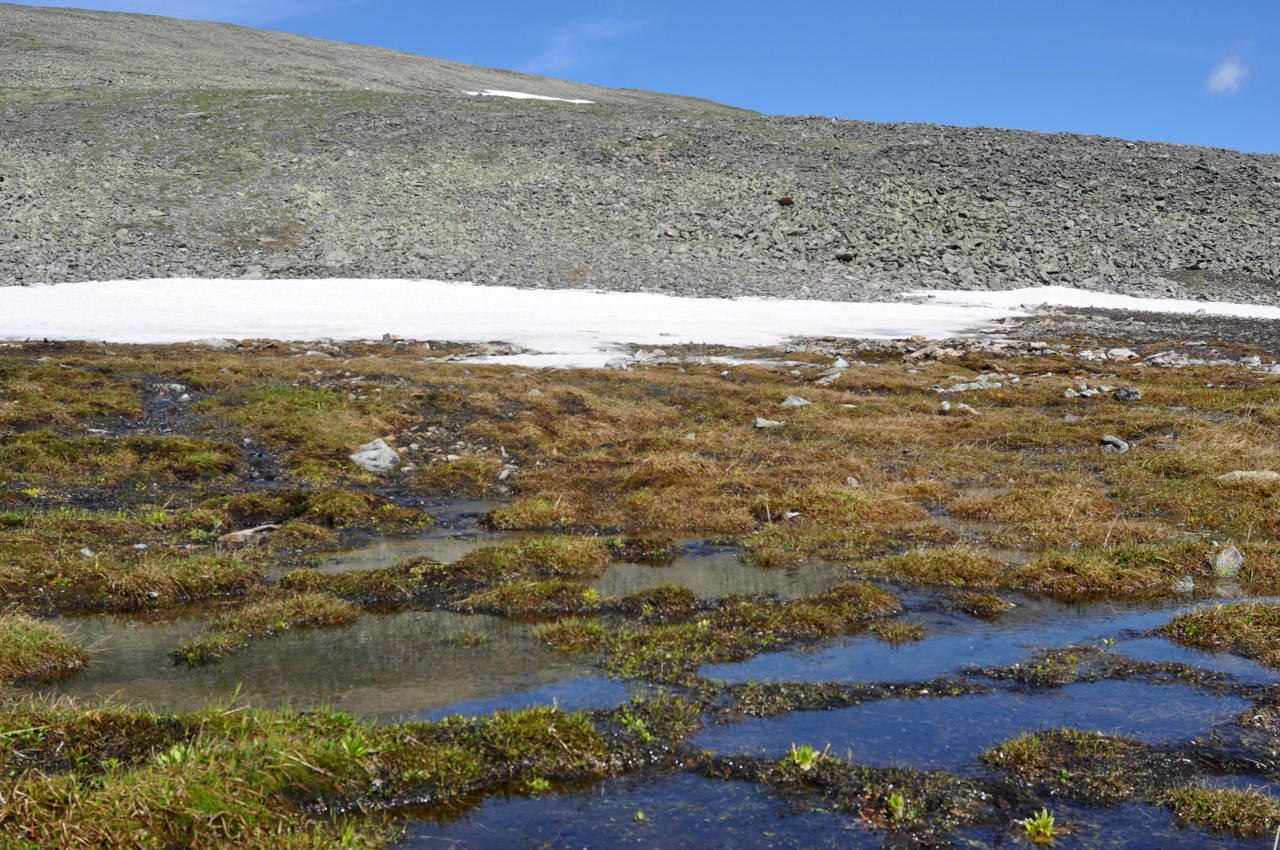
(956, 566)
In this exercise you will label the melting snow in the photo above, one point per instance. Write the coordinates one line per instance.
(558, 327)
(519, 95)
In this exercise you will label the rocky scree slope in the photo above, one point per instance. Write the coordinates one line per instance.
(136, 146)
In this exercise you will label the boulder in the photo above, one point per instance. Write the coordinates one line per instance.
(376, 457)
(1227, 562)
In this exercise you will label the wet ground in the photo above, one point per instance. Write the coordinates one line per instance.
(900, 687)
(427, 664)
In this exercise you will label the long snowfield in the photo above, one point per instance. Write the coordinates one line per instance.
(564, 328)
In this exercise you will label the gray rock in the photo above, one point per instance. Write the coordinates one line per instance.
(376, 457)
(761, 422)
(1228, 562)
(1250, 476)
(215, 342)
(1185, 584)
(1127, 394)
(1114, 445)
(795, 401)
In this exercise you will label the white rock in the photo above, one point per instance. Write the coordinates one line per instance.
(761, 422)
(376, 457)
(1250, 476)
(1122, 354)
(215, 342)
(795, 401)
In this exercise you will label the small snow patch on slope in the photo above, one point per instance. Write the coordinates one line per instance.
(519, 95)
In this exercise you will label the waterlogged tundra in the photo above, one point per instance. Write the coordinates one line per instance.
(654, 606)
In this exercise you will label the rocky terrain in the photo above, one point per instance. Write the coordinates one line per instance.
(136, 146)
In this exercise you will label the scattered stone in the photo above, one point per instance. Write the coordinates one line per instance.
(1122, 354)
(1228, 562)
(376, 457)
(761, 422)
(795, 401)
(1127, 394)
(1185, 584)
(959, 408)
(1114, 445)
(88, 553)
(175, 389)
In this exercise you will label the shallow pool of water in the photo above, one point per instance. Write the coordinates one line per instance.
(443, 545)
(679, 811)
(949, 733)
(713, 573)
(409, 664)
(955, 642)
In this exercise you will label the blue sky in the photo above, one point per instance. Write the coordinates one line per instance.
(1176, 71)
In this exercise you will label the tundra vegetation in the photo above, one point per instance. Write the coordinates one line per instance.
(122, 492)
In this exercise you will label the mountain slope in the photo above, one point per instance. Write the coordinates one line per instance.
(134, 146)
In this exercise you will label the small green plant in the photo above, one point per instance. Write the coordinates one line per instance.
(1041, 828)
(355, 745)
(639, 817)
(897, 805)
(636, 726)
(178, 754)
(805, 757)
(537, 785)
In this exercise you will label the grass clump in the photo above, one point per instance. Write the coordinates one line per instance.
(741, 628)
(984, 606)
(897, 633)
(415, 580)
(955, 566)
(1087, 766)
(42, 395)
(666, 602)
(46, 458)
(1247, 813)
(33, 650)
(917, 806)
(527, 598)
(572, 634)
(1251, 629)
(543, 556)
(257, 779)
(272, 615)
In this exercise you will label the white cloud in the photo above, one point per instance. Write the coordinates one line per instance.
(1227, 77)
(577, 44)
